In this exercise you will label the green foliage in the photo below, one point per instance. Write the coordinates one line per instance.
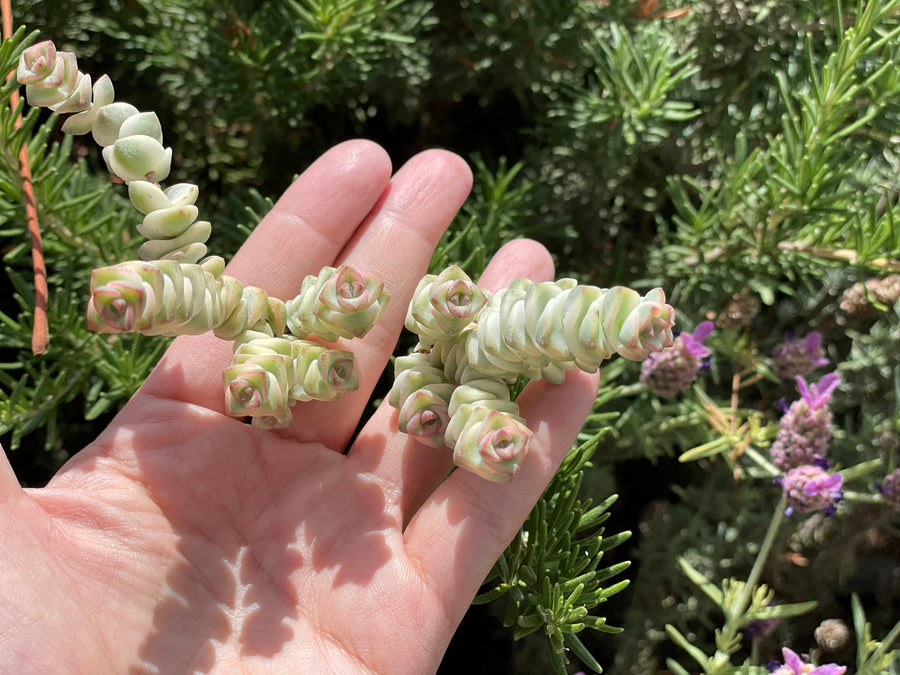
(789, 198)
(551, 574)
(873, 656)
(496, 212)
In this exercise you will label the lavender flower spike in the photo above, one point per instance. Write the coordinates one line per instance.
(798, 356)
(671, 371)
(805, 428)
(793, 665)
(811, 488)
(819, 394)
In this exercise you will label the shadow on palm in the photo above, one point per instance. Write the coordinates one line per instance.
(255, 516)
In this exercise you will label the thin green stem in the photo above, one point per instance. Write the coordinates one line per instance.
(761, 558)
(721, 662)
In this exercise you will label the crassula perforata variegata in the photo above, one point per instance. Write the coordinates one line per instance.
(453, 389)
(176, 289)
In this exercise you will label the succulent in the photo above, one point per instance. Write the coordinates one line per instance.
(453, 390)
(338, 303)
(176, 289)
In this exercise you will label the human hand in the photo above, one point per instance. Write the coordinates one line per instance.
(184, 540)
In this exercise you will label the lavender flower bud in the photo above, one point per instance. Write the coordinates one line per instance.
(891, 489)
(794, 666)
(832, 635)
(338, 303)
(488, 442)
(805, 429)
(671, 371)
(811, 488)
(444, 304)
(798, 356)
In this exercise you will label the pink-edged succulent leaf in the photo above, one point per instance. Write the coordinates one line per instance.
(138, 158)
(258, 386)
(425, 415)
(37, 63)
(489, 442)
(351, 301)
(411, 373)
(444, 304)
(338, 303)
(60, 82)
(647, 328)
(102, 95)
(124, 297)
(320, 373)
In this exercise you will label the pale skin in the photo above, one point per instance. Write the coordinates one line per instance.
(183, 540)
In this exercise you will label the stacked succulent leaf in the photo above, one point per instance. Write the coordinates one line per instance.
(175, 290)
(453, 389)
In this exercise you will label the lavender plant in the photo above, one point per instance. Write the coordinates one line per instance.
(175, 289)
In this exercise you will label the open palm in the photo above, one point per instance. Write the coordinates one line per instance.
(184, 540)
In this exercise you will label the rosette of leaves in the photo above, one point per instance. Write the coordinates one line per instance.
(337, 303)
(268, 375)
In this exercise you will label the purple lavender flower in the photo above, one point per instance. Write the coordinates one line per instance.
(811, 488)
(798, 356)
(890, 488)
(672, 370)
(794, 666)
(805, 428)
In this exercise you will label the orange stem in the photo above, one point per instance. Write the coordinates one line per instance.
(40, 336)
